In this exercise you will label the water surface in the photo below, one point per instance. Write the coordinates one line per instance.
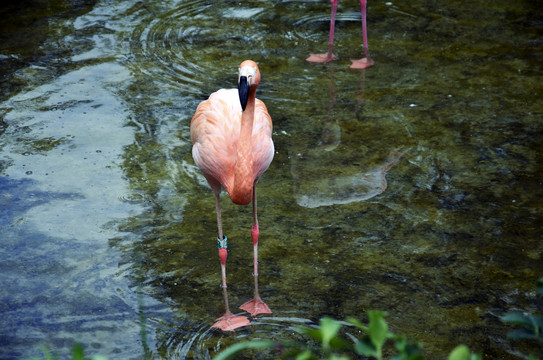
(412, 187)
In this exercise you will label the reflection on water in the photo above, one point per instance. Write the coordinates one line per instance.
(317, 179)
(315, 189)
(108, 229)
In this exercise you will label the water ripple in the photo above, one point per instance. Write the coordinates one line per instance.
(164, 46)
(191, 48)
(203, 342)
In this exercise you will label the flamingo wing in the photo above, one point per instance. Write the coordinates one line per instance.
(263, 149)
(215, 129)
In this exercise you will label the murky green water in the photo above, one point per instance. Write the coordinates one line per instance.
(108, 229)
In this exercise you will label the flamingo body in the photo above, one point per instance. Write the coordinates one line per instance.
(215, 133)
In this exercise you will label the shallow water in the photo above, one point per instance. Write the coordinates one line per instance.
(412, 187)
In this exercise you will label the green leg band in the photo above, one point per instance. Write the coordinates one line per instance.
(222, 244)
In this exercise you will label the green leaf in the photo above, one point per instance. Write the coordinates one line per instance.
(525, 334)
(518, 319)
(538, 320)
(461, 352)
(539, 286)
(358, 324)
(338, 343)
(77, 352)
(378, 328)
(296, 353)
(304, 355)
(409, 349)
(329, 329)
(335, 357)
(400, 342)
(365, 347)
(316, 334)
(231, 351)
(47, 353)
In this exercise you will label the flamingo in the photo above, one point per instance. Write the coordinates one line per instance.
(363, 63)
(232, 146)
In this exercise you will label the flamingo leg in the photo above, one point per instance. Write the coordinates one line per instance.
(256, 305)
(229, 321)
(366, 61)
(329, 56)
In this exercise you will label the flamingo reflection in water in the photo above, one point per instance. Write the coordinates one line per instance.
(362, 63)
(232, 146)
(317, 179)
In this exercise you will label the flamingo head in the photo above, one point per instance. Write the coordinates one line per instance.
(248, 79)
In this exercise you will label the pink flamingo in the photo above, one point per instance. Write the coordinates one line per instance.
(232, 146)
(363, 63)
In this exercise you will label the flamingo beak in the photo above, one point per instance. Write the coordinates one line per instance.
(243, 91)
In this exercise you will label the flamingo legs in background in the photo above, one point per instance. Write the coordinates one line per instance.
(232, 146)
(362, 63)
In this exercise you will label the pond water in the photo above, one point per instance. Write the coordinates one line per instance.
(413, 186)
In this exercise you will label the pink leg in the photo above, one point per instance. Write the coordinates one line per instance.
(227, 322)
(366, 61)
(256, 305)
(329, 56)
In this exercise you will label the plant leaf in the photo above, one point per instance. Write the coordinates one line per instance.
(400, 342)
(518, 318)
(521, 334)
(304, 355)
(538, 321)
(339, 343)
(358, 324)
(365, 347)
(539, 286)
(329, 329)
(312, 332)
(47, 353)
(409, 349)
(231, 351)
(335, 357)
(461, 352)
(297, 352)
(378, 328)
(77, 352)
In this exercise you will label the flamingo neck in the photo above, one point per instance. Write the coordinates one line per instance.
(243, 176)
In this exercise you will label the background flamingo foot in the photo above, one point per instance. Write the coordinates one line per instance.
(255, 307)
(321, 58)
(362, 63)
(231, 322)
